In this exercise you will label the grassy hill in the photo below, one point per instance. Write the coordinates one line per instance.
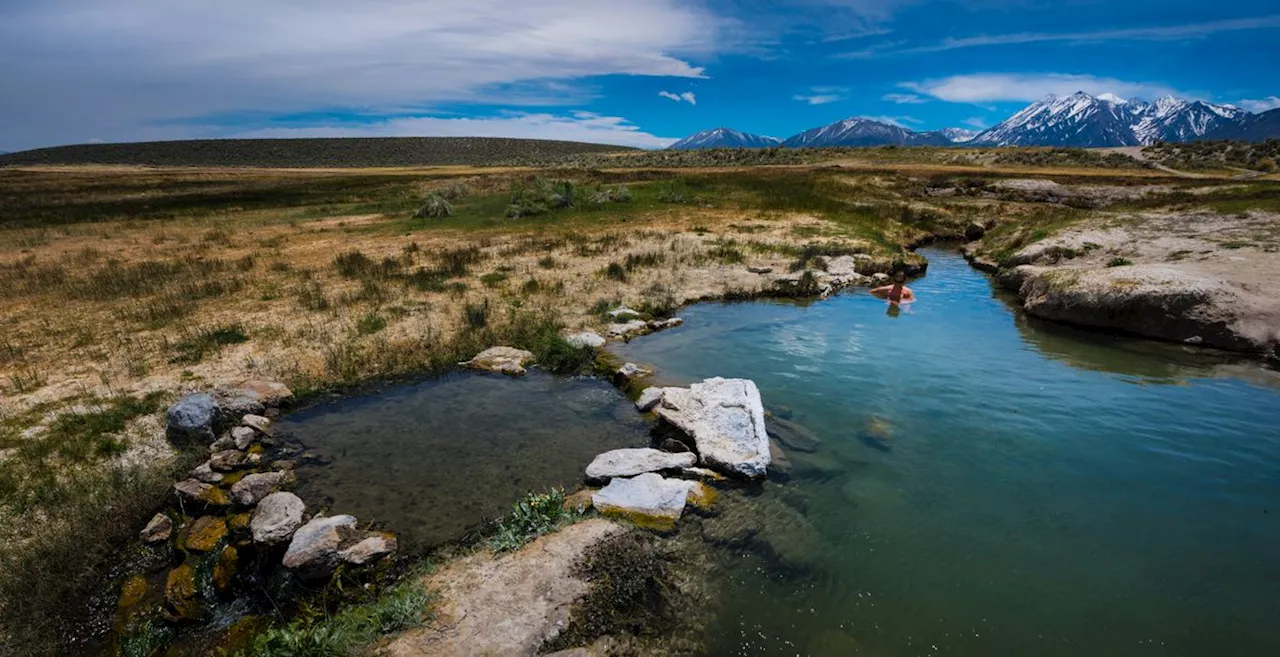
(351, 152)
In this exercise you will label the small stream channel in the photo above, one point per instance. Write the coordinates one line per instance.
(989, 484)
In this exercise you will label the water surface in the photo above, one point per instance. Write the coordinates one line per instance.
(435, 460)
(990, 484)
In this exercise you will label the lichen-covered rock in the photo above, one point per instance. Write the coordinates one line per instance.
(227, 460)
(193, 417)
(631, 462)
(585, 340)
(628, 329)
(372, 547)
(181, 599)
(725, 419)
(205, 533)
(277, 517)
(160, 528)
(315, 546)
(505, 360)
(649, 397)
(648, 500)
(193, 490)
(253, 487)
(225, 568)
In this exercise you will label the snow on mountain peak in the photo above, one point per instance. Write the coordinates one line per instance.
(1112, 98)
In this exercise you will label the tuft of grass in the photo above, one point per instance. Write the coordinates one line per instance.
(1119, 262)
(636, 261)
(434, 206)
(370, 323)
(493, 278)
(547, 262)
(194, 346)
(349, 631)
(531, 517)
(615, 271)
(476, 315)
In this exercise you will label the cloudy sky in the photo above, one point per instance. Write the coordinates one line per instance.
(636, 72)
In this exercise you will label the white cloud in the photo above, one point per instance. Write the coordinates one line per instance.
(976, 122)
(1151, 33)
(994, 87)
(1262, 105)
(900, 121)
(822, 95)
(904, 99)
(575, 126)
(686, 97)
(138, 63)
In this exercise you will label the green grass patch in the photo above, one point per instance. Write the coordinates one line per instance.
(195, 346)
(349, 631)
(534, 516)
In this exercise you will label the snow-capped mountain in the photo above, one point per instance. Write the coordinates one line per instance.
(1082, 120)
(864, 132)
(723, 138)
(959, 135)
(1251, 127)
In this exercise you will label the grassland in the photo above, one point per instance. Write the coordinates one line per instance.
(123, 286)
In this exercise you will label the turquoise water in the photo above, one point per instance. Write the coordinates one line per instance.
(993, 485)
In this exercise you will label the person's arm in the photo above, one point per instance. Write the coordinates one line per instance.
(882, 291)
(908, 295)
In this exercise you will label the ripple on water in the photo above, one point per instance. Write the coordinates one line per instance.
(1044, 491)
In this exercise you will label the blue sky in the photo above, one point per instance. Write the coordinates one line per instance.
(637, 72)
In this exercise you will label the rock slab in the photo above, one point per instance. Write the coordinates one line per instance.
(505, 360)
(725, 419)
(585, 340)
(648, 500)
(254, 487)
(631, 462)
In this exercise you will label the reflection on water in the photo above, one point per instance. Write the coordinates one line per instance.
(988, 484)
(435, 460)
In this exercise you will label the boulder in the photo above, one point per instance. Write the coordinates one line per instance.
(159, 529)
(224, 442)
(648, 500)
(182, 601)
(628, 329)
(194, 490)
(880, 278)
(242, 437)
(661, 324)
(253, 487)
(227, 460)
(193, 417)
(315, 546)
(770, 527)
(506, 360)
(779, 465)
(725, 419)
(271, 393)
(225, 568)
(585, 340)
(234, 402)
(205, 533)
(258, 423)
(631, 462)
(623, 313)
(204, 472)
(649, 397)
(374, 546)
(675, 446)
(630, 371)
(278, 515)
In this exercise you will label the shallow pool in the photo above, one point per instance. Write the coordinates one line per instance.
(989, 484)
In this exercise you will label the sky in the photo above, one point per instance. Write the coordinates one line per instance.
(633, 72)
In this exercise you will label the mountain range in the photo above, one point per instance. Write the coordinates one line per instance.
(1079, 120)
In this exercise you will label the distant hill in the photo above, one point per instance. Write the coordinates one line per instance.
(864, 132)
(338, 152)
(1258, 127)
(723, 138)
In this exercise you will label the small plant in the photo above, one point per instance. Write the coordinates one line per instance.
(347, 631)
(636, 261)
(455, 191)
(531, 286)
(604, 196)
(615, 272)
(476, 315)
(547, 262)
(353, 264)
(193, 347)
(434, 206)
(675, 191)
(493, 278)
(1119, 262)
(370, 323)
(532, 517)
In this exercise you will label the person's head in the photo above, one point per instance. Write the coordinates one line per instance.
(899, 277)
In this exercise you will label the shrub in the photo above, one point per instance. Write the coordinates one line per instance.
(604, 196)
(345, 632)
(476, 315)
(675, 191)
(532, 517)
(1119, 262)
(434, 207)
(194, 346)
(616, 272)
(370, 323)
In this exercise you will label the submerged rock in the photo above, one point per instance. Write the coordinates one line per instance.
(253, 487)
(779, 465)
(372, 547)
(193, 417)
(585, 340)
(205, 533)
(792, 435)
(648, 500)
(158, 529)
(194, 490)
(277, 517)
(725, 419)
(631, 462)
(180, 596)
(225, 568)
(314, 547)
(770, 527)
(505, 360)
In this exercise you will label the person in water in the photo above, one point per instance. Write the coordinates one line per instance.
(896, 292)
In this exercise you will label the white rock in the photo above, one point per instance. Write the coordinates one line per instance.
(314, 547)
(159, 529)
(278, 515)
(650, 500)
(660, 324)
(725, 419)
(633, 371)
(254, 487)
(626, 329)
(227, 459)
(368, 549)
(242, 437)
(204, 472)
(585, 339)
(649, 397)
(506, 360)
(257, 423)
(623, 312)
(880, 278)
(631, 462)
